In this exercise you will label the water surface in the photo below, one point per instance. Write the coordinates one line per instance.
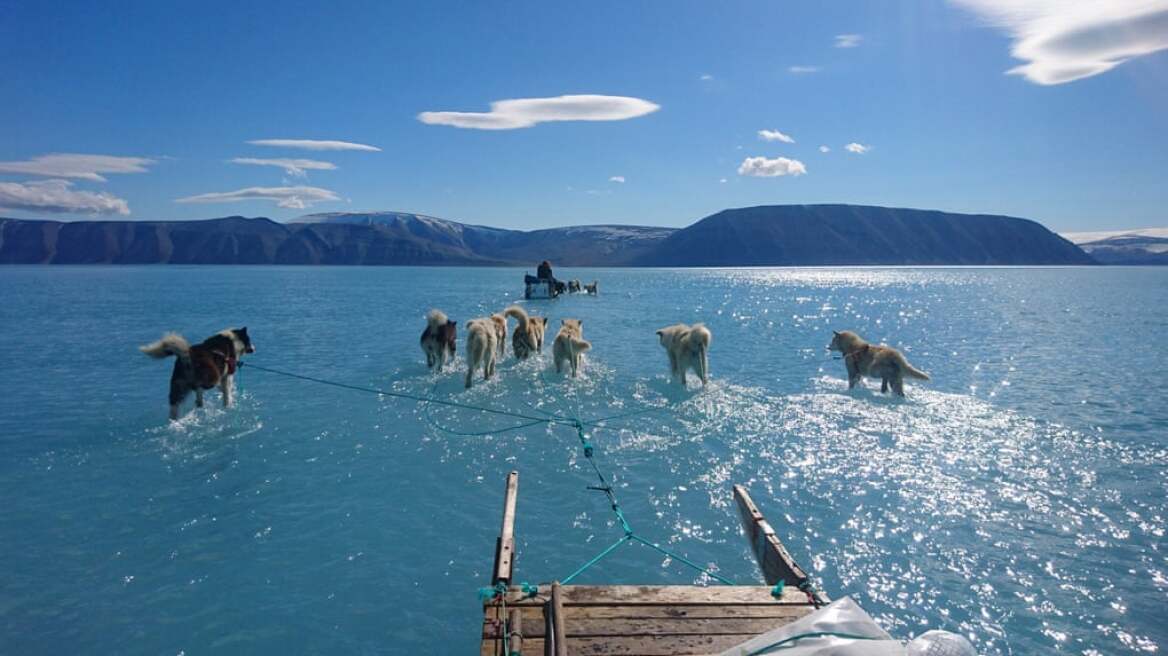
(1018, 498)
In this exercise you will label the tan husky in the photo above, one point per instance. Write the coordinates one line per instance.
(500, 322)
(570, 346)
(688, 348)
(883, 362)
(481, 348)
(528, 336)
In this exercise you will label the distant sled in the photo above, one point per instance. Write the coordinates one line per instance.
(540, 287)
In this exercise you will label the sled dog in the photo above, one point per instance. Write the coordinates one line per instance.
(438, 339)
(570, 346)
(687, 347)
(481, 348)
(874, 361)
(202, 366)
(528, 336)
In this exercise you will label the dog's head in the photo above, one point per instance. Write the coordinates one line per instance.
(844, 341)
(242, 340)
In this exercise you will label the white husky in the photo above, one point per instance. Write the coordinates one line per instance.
(482, 347)
(687, 347)
(569, 346)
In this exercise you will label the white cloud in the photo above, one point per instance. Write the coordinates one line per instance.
(526, 112)
(705, 77)
(294, 167)
(857, 148)
(58, 197)
(314, 144)
(297, 198)
(771, 168)
(824, 149)
(722, 180)
(1066, 41)
(617, 178)
(73, 165)
(774, 135)
(848, 40)
(803, 70)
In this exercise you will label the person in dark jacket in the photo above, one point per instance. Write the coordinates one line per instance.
(544, 271)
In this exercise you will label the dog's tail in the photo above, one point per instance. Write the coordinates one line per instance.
(911, 371)
(170, 344)
(517, 313)
(435, 319)
(579, 345)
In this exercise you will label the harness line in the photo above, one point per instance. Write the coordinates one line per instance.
(573, 419)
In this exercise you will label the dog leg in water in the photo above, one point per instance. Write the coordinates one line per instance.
(883, 385)
(898, 386)
(198, 398)
(226, 386)
(174, 412)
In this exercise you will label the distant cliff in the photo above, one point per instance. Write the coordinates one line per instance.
(809, 235)
(756, 236)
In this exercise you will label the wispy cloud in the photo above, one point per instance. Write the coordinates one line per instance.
(293, 167)
(848, 40)
(705, 77)
(722, 180)
(73, 165)
(857, 148)
(804, 70)
(824, 149)
(618, 179)
(314, 144)
(775, 135)
(297, 198)
(771, 168)
(58, 197)
(1067, 41)
(526, 112)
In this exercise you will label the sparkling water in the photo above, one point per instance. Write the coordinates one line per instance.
(1017, 499)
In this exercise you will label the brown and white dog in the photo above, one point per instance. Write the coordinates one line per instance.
(202, 366)
(438, 339)
(570, 346)
(481, 348)
(874, 361)
(687, 347)
(527, 339)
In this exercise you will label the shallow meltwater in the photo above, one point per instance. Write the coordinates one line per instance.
(1019, 498)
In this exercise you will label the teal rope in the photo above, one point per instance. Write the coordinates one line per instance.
(682, 559)
(596, 559)
(802, 636)
(428, 414)
(402, 395)
(550, 418)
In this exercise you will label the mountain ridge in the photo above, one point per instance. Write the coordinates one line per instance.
(765, 235)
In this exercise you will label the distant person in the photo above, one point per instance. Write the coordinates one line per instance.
(544, 272)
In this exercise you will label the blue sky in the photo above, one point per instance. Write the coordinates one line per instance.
(167, 94)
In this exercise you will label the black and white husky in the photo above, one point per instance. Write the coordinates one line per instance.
(202, 366)
(438, 339)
